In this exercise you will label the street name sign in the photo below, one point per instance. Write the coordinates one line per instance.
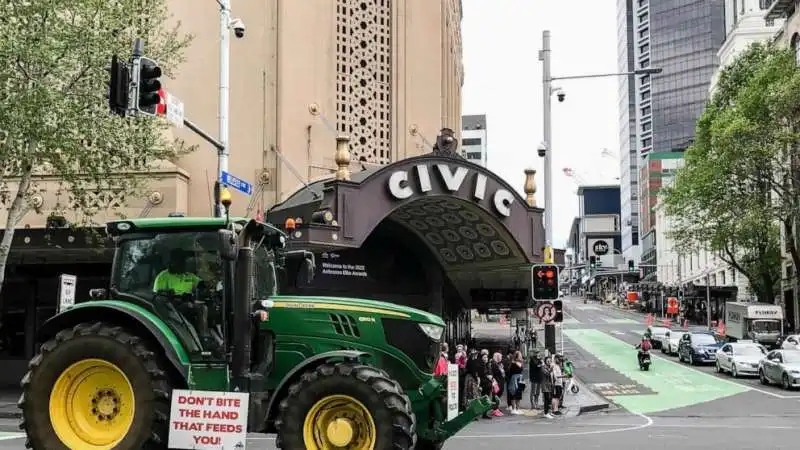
(237, 183)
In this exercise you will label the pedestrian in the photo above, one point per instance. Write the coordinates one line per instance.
(547, 386)
(558, 387)
(535, 374)
(442, 362)
(534, 338)
(472, 387)
(499, 372)
(485, 377)
(461, 361)
(515, 383)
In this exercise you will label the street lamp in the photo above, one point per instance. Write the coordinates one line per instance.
(548, 91)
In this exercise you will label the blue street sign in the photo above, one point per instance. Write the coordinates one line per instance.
(237, 183)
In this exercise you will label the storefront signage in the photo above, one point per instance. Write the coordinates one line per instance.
(452, 179)
(600, 248)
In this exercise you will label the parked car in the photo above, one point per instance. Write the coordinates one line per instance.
(792, 342)
(740, 358)
(781, 366)
(698, 347)
(658, 336)
(672, 339)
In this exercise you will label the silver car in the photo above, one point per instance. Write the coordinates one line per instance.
(672, 339)
(740, 358)
(781, 366)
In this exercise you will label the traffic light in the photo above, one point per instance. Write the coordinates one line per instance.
(149, 86)
(118, 86)
(559, 307)
(592, 262)
(545, 282)
(631, 267)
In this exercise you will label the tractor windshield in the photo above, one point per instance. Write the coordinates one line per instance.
(180, 275)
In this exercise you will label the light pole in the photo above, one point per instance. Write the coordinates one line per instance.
(226, 24)
(547, 93)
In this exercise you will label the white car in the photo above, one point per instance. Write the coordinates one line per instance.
(792, 342)
(672, 339)
(740, 358)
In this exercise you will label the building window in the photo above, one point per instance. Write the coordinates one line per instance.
(647, 142)
(644, 48)
(765, 4)
(645, 63)
(647, 126)
(733, 276)
(471, 141)
(645, 79)
(646, 111)
(643, 17)
(643, 33)
(722, 278)
(645, 95)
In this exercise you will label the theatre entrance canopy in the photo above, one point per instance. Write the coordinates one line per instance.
(433, 222)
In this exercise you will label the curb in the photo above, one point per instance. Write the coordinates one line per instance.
(607, 405)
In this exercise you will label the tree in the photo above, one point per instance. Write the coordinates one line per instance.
(54, 119)
(725, 198)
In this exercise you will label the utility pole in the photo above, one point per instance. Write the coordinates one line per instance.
(224, 98)
(708, 299)
(547, 92)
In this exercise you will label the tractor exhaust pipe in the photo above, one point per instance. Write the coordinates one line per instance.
(241, 332)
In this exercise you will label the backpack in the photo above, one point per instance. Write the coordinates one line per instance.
(646, 346)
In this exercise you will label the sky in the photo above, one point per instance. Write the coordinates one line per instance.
(503, 79)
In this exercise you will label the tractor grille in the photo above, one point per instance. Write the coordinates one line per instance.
(344, 325)
(407, 336)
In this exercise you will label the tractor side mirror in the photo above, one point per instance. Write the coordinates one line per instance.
(227, 244)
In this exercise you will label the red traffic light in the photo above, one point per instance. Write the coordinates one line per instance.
(550, 274)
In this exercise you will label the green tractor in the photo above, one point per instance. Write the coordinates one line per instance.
(193, 305)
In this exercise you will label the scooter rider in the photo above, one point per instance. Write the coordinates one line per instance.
(644, 347)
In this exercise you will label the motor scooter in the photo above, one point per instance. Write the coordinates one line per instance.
(644, 361)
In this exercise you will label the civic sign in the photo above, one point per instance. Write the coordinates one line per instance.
(66, 291)
(236, 183)
(452, 179)
(174, 110)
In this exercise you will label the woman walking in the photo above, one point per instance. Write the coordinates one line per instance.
(515, 384)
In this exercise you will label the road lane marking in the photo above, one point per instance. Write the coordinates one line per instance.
(6, 436)
(611, 320)
(675, 386)
(647, 423)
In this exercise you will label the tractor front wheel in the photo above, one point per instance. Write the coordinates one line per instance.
(95, 386)
(345, 405)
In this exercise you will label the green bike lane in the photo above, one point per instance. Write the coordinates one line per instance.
(667, 385)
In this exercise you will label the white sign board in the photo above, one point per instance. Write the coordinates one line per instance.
(452, 391)
(207, 420)
(174, 111)
(66, 291)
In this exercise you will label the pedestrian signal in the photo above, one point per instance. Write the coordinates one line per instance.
(631, 266)
(544, 280)
(592, 261)
(559, 307)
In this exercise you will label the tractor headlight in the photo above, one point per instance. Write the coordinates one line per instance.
(433, 331)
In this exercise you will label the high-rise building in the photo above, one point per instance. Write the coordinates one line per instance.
(680, 37)
(629, 156)
(473, 138)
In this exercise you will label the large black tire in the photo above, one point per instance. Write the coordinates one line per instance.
(116, 345)
(388, 405)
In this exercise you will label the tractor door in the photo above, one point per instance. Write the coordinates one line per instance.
(265, 285)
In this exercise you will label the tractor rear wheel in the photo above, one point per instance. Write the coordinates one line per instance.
(95, 386)
(345, 405)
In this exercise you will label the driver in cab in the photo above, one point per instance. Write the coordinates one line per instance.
(176, 277)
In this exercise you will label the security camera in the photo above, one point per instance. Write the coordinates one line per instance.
(238, 28)
(561, 94)
(542, 150)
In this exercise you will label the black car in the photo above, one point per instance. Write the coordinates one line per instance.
(698, 347)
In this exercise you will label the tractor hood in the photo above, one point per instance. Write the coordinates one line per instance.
(356, 305)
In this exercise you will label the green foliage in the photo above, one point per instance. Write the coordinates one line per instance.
(730, 197)
(54, 118)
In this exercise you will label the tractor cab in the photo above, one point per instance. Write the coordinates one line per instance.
(182, 270)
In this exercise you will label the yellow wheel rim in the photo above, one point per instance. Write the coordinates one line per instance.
(92, 405)
(339, 421)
